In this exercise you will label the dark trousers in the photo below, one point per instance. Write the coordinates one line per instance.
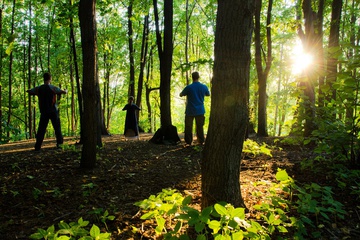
(44, 120)
(199, 123)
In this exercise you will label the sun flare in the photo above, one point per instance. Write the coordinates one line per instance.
(300, 59)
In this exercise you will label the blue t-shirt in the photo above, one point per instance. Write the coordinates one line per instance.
(195, 93)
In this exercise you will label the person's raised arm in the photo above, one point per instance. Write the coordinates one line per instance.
(31, 91)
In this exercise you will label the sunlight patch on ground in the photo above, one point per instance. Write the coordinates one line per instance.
(28, 145)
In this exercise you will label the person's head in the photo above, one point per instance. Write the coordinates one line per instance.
(47, 77)
(131, 99)
(195, 76)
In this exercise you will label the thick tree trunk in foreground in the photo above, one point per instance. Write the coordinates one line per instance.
(229, 104)
(88, 42)
(165, 57)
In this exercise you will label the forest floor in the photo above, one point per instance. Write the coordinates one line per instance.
(39, 189)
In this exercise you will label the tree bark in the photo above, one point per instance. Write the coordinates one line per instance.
(1, 64)
(77, 77)
(334, 50)
(165, 56)
(312, 43)
(10, 72)
(229, 104)
(350, 109)
(131, 51)
(30, 112)
(262, 73)
(88, 43)
(143, 56)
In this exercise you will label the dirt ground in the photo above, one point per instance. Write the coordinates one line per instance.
(39, 189)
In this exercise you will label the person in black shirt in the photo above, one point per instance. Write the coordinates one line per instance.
(131, 129)
(47, 94)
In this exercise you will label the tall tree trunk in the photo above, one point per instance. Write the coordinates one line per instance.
(108, 105)
(49, 36)
(262, 73)
(320, 68)
(312, 43)
(334, 50)
(106, 97)
(165, 56)
(100, 115)
(350, 109)
(143, 57)
(131, 51)
(24, 95)
(1, 64)
(77, 75)
(149, 90)
(221, 159)
(29, 74)
(187, 41)
(278, 93)
(88, 43)
(72, 97)
(10, 72)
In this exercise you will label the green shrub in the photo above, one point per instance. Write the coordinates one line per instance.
(314, 205)
(71, 231)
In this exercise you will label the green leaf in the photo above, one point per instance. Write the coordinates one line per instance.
(94, 231)
(220, 209)
(199, 227)
(233, 224)
(201, 237)
(161, 223)
(239, 212)
(325, 215)
(187, 201)
(282, 175)
(82, 223)
(36, 236)
(81, 232)
(214, 225)
(237, 235)
(63, 238)
(51, 229)
(63, 225)
(148, 215)
(184, 237)
(177, 226)
(282, 229)
(66, 232)
(104, 236)
(207, 211)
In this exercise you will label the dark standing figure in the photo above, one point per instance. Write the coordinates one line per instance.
(131, 126)
(195, 93)
(47, 94)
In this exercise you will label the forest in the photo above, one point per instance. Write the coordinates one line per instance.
(284, 83)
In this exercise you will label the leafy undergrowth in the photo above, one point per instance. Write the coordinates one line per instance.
(40, 189)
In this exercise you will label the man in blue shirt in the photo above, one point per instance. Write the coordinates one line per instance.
(48, 110)
(195, 93)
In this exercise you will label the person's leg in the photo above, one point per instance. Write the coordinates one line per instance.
(188, 129)
(44, 120)
(55, 120)
(199, 121)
